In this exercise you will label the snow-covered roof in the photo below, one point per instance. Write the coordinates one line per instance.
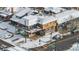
(55, 9)
(15, 9)
(8, 13)
(33, 19)
(66, 16)
(46, 19)
(30, 20)
(5, 13)
(23, 12)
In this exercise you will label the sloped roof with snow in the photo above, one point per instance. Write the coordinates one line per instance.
(5, 13)
(23, 12)
(30, 20)
(66, 16)
(55, 9)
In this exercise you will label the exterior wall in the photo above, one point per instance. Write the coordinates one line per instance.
(76, 8)
(5, 18)
(49, 25)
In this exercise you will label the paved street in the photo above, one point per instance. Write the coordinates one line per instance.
(66, 43)
(61, 45)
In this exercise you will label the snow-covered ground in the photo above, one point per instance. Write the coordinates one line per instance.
(75, 47)
(7, 26)
(37, 43)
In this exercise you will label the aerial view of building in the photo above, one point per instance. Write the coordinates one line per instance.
(39, 28)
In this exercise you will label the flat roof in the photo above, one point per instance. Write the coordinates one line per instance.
(46, 19)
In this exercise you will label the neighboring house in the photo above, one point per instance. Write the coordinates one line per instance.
(14, 9)
(5, 15)
(55, 10)
(2, 8)
(67, 16)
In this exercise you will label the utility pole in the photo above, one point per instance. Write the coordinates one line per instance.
(25, 31)
(12, 10)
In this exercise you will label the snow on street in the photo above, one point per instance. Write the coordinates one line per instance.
(32, 44)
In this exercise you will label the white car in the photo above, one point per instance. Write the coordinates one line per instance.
(7, 36)
(57, 36)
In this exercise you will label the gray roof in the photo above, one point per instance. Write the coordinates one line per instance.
(23, 12)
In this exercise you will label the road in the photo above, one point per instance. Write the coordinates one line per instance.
(60, 45)
(66, 43)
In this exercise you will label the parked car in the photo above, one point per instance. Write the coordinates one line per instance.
(57, 36)
(7, 36)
